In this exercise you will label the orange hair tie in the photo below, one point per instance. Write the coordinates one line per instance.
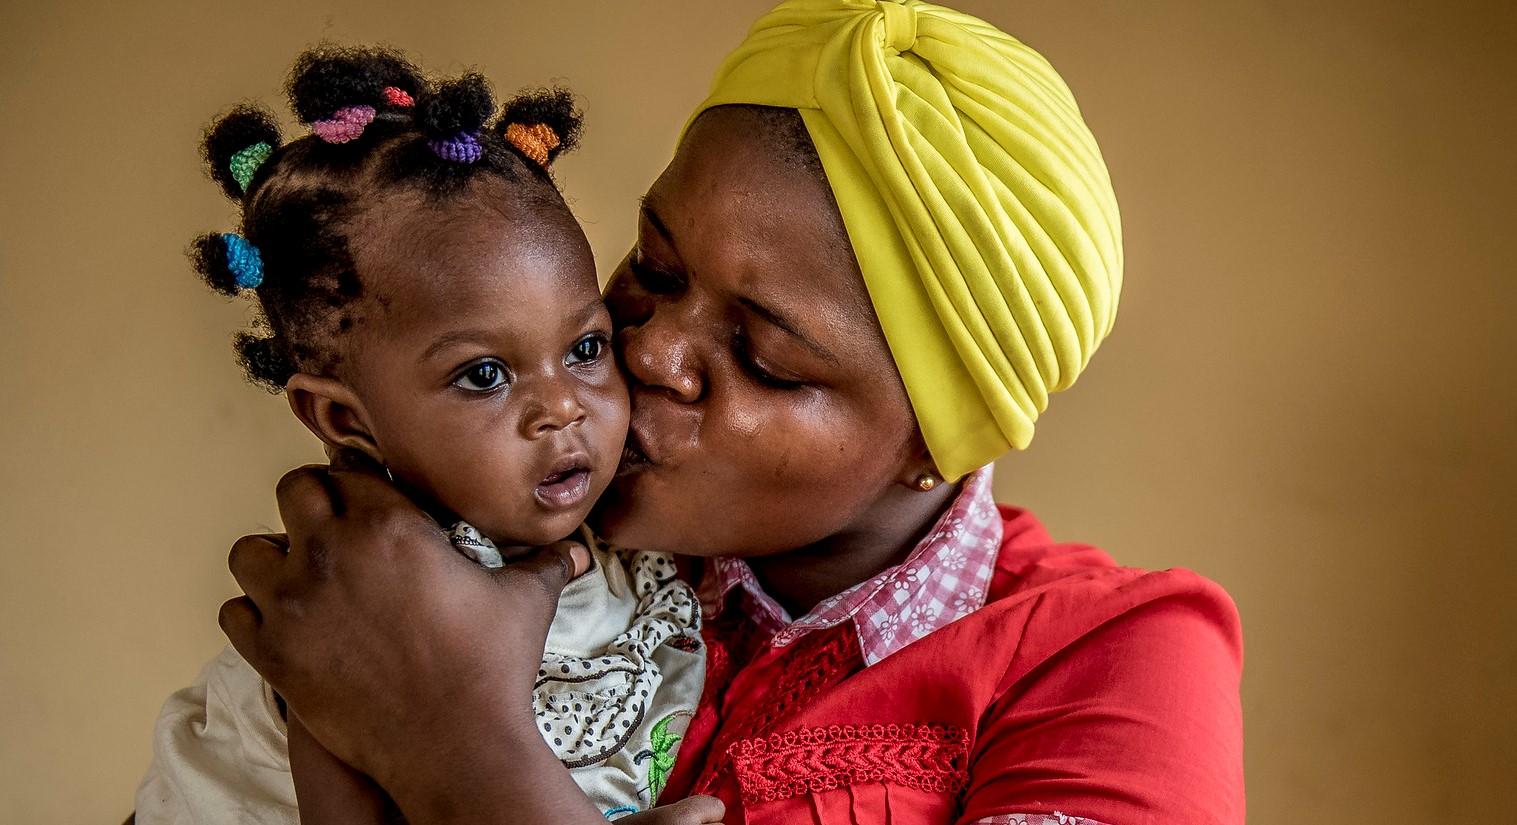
(534, 141)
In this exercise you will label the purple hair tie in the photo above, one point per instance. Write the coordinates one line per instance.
(344, 125)
(461, 148)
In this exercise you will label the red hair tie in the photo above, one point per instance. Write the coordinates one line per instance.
(396, 96)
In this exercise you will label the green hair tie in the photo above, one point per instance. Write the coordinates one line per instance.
(247, 161)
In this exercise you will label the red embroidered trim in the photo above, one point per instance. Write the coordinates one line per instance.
(811, 760)
(817, 662)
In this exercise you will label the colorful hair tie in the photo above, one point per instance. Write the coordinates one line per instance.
(344, 125)
(243, 260)
(536, 141)
(246, 161)
(396, 96)
(461, 148)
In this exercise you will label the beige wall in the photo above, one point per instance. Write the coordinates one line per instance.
(1308, 396)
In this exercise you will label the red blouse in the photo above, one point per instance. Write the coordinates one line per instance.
(1080, 691)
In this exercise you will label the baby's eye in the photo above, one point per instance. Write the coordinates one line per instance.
(482, 377)
(587, 350)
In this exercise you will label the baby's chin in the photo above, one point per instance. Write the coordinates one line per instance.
(517, 521)
(518, 536)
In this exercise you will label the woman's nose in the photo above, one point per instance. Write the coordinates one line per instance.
(660, 354)
(553, 406)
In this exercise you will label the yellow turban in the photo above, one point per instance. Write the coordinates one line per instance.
(974, 195)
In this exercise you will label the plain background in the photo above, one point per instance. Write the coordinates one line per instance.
(1308, 396)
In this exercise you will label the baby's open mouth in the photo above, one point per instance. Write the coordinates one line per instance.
(565, 487)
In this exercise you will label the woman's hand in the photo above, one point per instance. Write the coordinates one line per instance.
(695, 810)
(403, 658)
(329, 791)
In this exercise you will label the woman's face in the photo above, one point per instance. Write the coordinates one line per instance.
(767, 414)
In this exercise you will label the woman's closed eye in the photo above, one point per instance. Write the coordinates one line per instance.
(766, 375)
(653, 278)
(483, 376)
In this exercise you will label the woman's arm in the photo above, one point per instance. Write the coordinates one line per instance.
(1138, 721)
(406, 660)
(328, 790)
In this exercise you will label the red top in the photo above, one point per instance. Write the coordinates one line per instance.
(1080, 689)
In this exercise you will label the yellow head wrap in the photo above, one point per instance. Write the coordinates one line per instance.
(975, 198)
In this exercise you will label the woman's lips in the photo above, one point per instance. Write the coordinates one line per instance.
(565, 487)
(633, 457)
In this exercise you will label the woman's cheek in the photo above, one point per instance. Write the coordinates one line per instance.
(798, 450)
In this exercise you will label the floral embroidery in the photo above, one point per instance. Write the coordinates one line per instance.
(820, 661)
(922, 618)
(811, 760)
(888, 626)
(966, 601)
(946, 576)
(662, 742)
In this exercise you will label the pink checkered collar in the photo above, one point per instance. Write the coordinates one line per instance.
(944, 578)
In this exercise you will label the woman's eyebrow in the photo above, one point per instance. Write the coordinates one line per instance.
(649, 213)
(788, 326)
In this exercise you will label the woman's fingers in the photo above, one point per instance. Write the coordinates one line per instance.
(359, 492)
(553, 566)
(695, 810)
(255, 562)
(239, 620)
(306, 498)
(330, 621)
(347, 459)
(701, 809)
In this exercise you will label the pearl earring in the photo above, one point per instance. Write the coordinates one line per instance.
(926, 481)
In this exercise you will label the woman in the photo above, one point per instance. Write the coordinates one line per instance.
(883, 240)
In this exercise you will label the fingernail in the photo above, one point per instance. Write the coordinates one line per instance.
(581, 558)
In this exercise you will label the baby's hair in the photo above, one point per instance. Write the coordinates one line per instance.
(377, 125)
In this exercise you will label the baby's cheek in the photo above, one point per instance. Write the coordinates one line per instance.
(607, 420)
(481, 476)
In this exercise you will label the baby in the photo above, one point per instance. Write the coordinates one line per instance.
(425, 297)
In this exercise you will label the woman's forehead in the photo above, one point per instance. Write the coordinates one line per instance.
(735, 209)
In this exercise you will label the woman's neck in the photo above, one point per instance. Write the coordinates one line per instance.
(881, 538)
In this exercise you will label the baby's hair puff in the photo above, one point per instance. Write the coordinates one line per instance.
(236, 145)
(377, 124)
(453, 116)
(548, 118)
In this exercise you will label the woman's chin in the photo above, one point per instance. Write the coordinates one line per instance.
(636, 513)
(615, 517)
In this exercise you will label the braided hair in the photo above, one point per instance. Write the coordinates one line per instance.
(377, 125)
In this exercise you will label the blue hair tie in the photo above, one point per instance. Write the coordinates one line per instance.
(243, 260)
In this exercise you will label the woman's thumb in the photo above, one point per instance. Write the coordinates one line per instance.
(555, 565)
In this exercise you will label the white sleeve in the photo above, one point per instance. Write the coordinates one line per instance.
(219, 753)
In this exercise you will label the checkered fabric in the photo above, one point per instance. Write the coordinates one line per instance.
(943, 579)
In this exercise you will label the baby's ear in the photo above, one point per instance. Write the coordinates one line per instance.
(332, 412)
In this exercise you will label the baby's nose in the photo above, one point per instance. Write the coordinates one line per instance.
(552, 410)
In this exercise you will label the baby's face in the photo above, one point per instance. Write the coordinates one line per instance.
(483, 360)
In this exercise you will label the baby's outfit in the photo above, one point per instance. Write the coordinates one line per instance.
(621, 674)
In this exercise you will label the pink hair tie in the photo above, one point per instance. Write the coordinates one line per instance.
(396, 96)
(344, 125)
